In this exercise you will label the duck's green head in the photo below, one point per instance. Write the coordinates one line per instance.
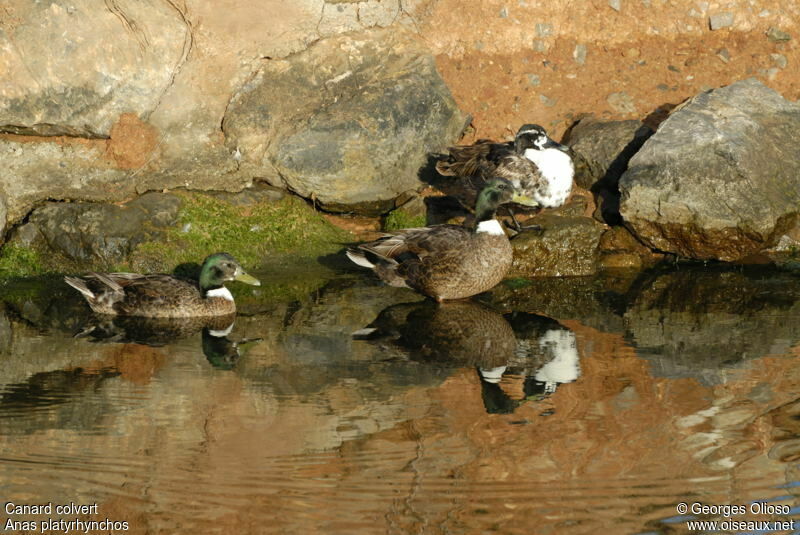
(220, 268)
(497, 191)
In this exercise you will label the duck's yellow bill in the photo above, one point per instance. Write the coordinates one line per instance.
(524, 199)
(247, 279)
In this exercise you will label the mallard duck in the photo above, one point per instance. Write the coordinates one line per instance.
(537, 166)
(165, 296)
(446, 261)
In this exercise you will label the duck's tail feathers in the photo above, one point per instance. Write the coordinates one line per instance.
(358, 256)
(80, 285)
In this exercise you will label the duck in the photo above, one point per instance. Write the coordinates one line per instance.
(537, 166)
(447, 261)
(165, 296)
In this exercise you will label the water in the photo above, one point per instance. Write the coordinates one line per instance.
(338, 405)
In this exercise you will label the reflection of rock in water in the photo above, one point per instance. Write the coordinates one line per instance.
(536, 349)
(785, 421)
(21, 403)
(695, 322)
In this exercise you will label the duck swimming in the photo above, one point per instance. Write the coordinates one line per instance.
(447, 261)
(165, 296)
(536, 165)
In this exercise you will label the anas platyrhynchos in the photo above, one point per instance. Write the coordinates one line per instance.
(446, 261)
(165, 296)
(537, 166)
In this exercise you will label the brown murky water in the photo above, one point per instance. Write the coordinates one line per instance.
(565, 406)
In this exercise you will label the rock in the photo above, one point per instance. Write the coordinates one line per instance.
(616, 5)
(72, 67)
(621, 102)
(720, 179)
(777, 36)
(3, 216)
(779, 60)
(567, 247)
(601, 151)
(348, 124)
(717, 21)
(620, 250)
(97, 233)
(543, 29)
(579, 54)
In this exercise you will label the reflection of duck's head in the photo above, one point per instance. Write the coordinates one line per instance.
(461, 333)
(221, 351)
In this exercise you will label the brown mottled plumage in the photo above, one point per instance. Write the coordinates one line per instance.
(460, 332)
(164, 296)
(445, 261)
(536, 165)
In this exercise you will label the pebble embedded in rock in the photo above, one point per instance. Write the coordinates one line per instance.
(547, 101)
(543, 29)
(717, 21)
(579, 54)
(779, 60)
(616, 5)
(534, 79)
(724, 55)
(621, 102)
(777, 36)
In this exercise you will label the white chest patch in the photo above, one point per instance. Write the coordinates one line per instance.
(492, 227)
(557, 168)
(223, 332)
(565, 364)
(220, 292)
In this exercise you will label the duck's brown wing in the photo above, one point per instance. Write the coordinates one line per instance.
(471, 165)
(148, 295)
(419, 242)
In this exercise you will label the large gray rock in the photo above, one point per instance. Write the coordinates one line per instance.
(72, 67)
(103, 234)
(601, 152)
(348, 124)
(720, 179)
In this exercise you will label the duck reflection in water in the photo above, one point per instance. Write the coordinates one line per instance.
(538, 351)
(219, 348)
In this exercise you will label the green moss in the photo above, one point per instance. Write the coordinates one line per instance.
(254, 234)
(17, 261)
(400, 219)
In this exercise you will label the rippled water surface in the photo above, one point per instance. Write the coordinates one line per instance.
(337, 405)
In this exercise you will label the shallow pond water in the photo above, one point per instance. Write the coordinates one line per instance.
(338, 405)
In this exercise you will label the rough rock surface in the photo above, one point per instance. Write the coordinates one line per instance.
(348, 124)
(71, 67)
(95, 232)
(720, 179)
(568, 246)
(601, 151)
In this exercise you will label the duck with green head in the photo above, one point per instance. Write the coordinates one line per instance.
(165, 296)
(447, 261)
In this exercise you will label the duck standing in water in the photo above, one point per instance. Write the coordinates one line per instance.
(165, 296)
(537, 166)
(447, 261)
